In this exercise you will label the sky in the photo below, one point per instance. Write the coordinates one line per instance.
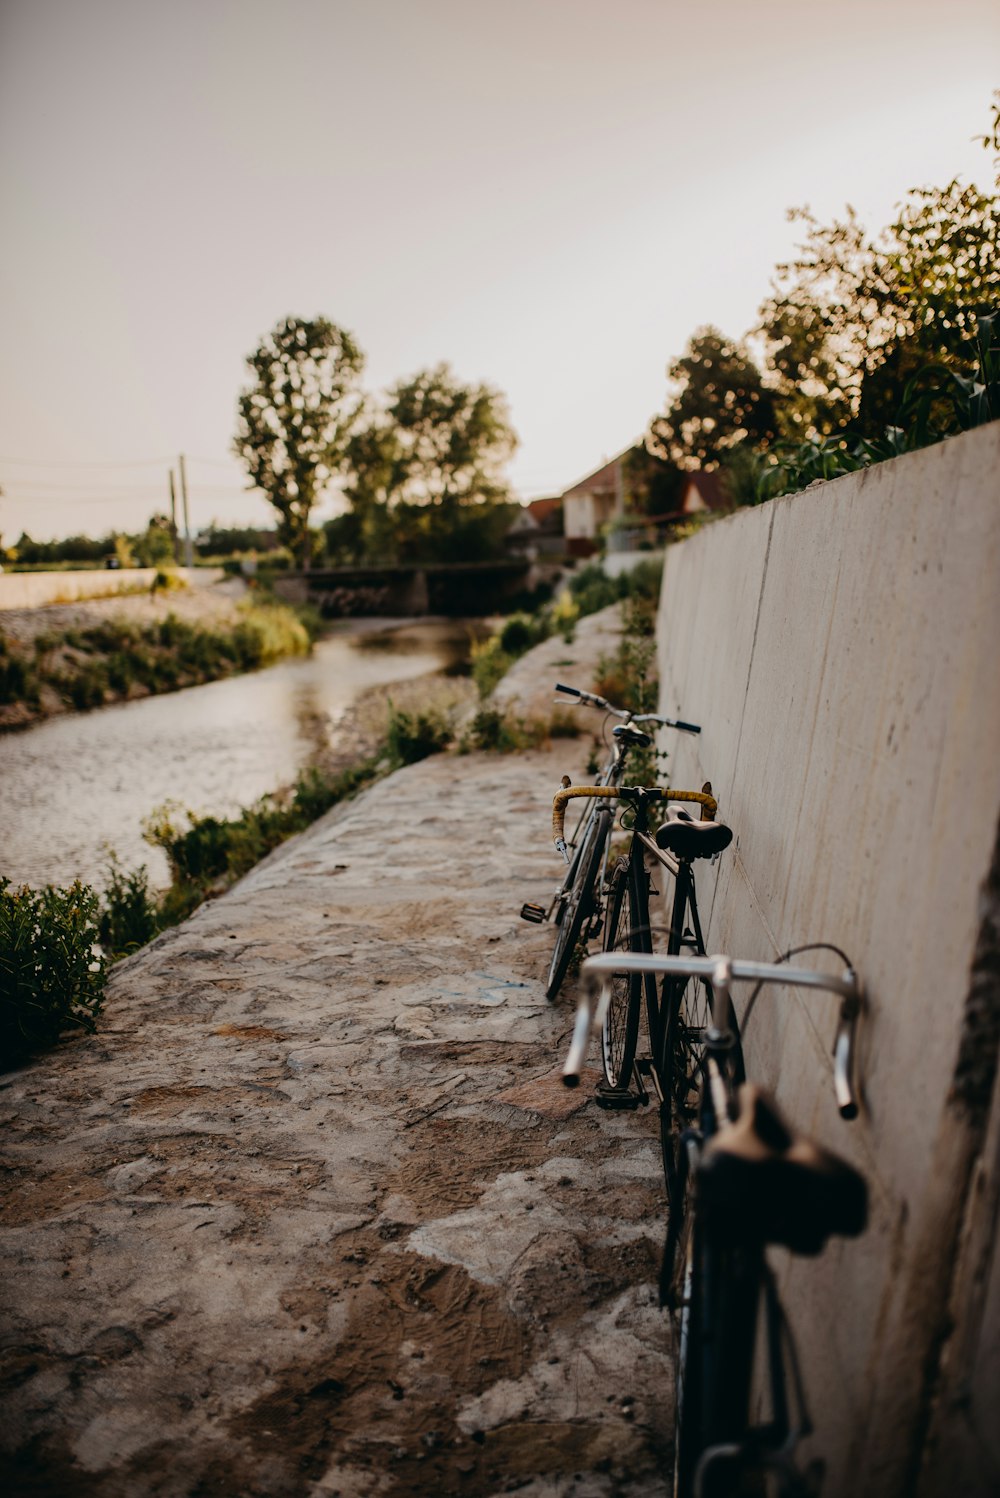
(550, 195)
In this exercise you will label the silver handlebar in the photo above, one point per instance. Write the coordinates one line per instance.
(590, 699)
(721, 972)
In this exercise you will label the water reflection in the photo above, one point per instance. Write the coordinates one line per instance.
(74, 786)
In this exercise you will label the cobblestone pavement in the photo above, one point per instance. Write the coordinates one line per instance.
(312, 1214)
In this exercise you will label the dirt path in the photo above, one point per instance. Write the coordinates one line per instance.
(312, 1214)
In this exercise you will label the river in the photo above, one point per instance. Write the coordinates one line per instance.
(76, 786)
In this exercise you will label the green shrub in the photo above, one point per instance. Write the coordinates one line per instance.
(593, 589)
(52, 974)
(414, 736)
(519, 632)
(493, 730)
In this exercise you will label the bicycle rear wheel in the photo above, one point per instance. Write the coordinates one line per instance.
(620, 1031)
(579, 903)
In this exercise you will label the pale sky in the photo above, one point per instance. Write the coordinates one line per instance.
(551, 195)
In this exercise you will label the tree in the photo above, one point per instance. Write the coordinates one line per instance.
(852, 319)
(154, 547)
(296, 417)
(426, 473)
(720, 402)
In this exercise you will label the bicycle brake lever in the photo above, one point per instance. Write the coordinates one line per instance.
(561, 846)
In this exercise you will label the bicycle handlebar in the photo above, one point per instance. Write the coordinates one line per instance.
(592, 700)
(709, 805)
(720, 972)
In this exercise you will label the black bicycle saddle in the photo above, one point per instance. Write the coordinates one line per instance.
(761, 1184)
(634, 736)
(686, 838)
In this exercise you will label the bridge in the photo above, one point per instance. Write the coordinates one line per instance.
(450, 588)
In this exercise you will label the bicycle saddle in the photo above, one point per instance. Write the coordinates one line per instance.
(686, 838)
(761, 1184)
(634, 736)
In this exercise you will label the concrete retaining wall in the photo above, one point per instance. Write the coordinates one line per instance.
(33, 590)
(840, 648)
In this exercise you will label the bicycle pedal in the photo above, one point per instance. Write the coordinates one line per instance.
(533, 913)
(617, 1101)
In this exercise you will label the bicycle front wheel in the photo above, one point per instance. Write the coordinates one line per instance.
(578, 905)
(686, 1011)
(620, 1031)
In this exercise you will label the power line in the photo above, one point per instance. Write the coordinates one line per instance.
(86, 462)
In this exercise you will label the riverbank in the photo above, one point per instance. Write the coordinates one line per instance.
(75, 657)
(312, 1214)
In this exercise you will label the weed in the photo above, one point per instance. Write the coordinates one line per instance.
(129, 915)
(490, 663)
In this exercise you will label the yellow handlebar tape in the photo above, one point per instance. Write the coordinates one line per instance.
(707, 802)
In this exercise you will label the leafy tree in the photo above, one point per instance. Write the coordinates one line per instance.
(652, 484)
(852, 319)
(296, 417)
(426, 473)
(720, 402)
(451, 440)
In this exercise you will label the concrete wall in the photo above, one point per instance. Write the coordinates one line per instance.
(841, 649)
(34, 590)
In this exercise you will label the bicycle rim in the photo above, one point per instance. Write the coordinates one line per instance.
(620, 1030)
(578, 907)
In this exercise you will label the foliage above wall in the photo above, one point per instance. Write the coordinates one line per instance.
(867, 346)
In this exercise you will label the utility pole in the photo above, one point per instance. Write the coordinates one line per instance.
(188, 548)
(173, 513)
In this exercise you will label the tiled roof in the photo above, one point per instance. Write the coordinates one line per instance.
(603, 480)
(709, 487)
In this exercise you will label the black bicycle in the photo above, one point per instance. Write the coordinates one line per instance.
(577, 907)
(748, 1182)
(676, 1012)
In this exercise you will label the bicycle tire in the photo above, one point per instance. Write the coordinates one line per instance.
(620, 1031)
(715, 1329)
(578, 905)
(686, 1011)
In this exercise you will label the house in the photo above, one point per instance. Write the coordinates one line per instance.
(700, 491)
(591, 503)
(538, 527)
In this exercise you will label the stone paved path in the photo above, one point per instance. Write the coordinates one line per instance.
(311, 1214)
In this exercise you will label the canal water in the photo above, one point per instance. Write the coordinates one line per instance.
(76, 786)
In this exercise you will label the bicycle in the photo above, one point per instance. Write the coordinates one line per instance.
(676, 1015)
(576, 907)
(749, 1182)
